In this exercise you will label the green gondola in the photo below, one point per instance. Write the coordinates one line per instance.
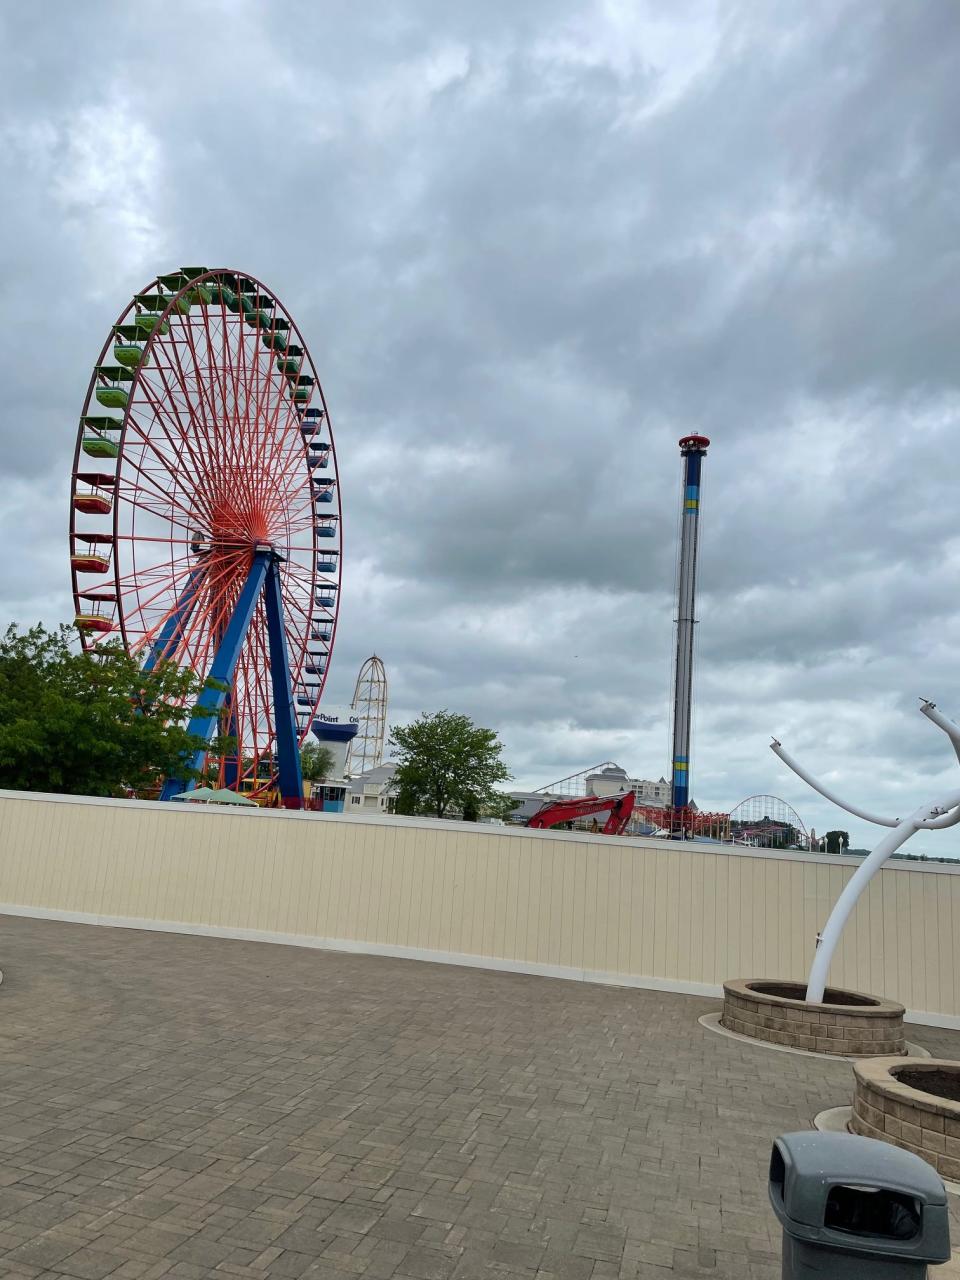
(200, 293)
(147, 324)
(112, 397)
(100, 447)
(98, 444)
(128, 354)
(223, 293)
(288, 365)
(277, 340)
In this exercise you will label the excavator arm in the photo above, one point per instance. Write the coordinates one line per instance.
(553, 812)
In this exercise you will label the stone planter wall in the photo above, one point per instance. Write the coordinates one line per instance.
(848, 1023)
(919, 1122)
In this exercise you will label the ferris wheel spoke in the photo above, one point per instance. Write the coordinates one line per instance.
(163, 606)
(164, 570)
(204, 388)
(167, 466)
(210, 619)
(195, 437)
(271, 425)
(196, 433)
(180, 441)
(150, 632)
(291, 482)
(144, 497)
(249, 437)
(197, 377)
(161, 568)
(169, 576)
(217, 368)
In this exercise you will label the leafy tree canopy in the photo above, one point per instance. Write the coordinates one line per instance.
(84, 725)
(316, 761)
(837, 841)
(445, 760)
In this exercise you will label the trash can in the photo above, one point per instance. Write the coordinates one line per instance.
(856, 1207)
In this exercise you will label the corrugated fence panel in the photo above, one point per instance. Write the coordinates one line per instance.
(577, 905)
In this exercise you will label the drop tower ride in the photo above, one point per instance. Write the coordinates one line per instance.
(693, 450)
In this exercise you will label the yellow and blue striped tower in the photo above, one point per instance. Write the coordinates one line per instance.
(693, 450)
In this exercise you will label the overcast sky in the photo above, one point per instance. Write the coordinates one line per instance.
(531, 244)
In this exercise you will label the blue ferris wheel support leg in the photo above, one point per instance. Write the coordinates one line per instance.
(167, 641)
(231, 767)
(284, 712)
(204, 719)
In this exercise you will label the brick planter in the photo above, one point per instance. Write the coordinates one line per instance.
(928, 1125)
(848, 1023)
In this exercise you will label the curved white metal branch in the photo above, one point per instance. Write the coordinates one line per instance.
(929, 709)
(949, 816)
(808, 778)
(852, 890)
(933, 816)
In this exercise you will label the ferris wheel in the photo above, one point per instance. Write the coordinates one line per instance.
(205, 514)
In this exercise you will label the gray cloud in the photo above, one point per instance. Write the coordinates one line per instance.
(530, 249)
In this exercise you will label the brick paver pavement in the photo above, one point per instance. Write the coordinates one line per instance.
(192, 1107)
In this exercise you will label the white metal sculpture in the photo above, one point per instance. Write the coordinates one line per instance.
(932, 816)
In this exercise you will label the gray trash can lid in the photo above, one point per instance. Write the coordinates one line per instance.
(816, 1162)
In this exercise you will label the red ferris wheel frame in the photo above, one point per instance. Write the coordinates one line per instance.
(224, 446)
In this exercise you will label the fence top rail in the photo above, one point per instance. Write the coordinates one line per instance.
(479, 829)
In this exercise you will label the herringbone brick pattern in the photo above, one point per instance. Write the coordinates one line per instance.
(193, 1107)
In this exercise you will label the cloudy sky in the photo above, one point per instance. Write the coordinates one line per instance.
(531, 244)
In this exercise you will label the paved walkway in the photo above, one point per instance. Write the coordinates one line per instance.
(176, 1106)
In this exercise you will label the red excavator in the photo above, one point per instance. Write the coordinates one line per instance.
(555, 811)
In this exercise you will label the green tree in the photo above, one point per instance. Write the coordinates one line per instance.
(316, 761)
(837, 841)
(90, 725)
(444, 760)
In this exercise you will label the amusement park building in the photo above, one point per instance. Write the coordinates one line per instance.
(373, 791)
(607, 779)
(611, 780)
(526, 803)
